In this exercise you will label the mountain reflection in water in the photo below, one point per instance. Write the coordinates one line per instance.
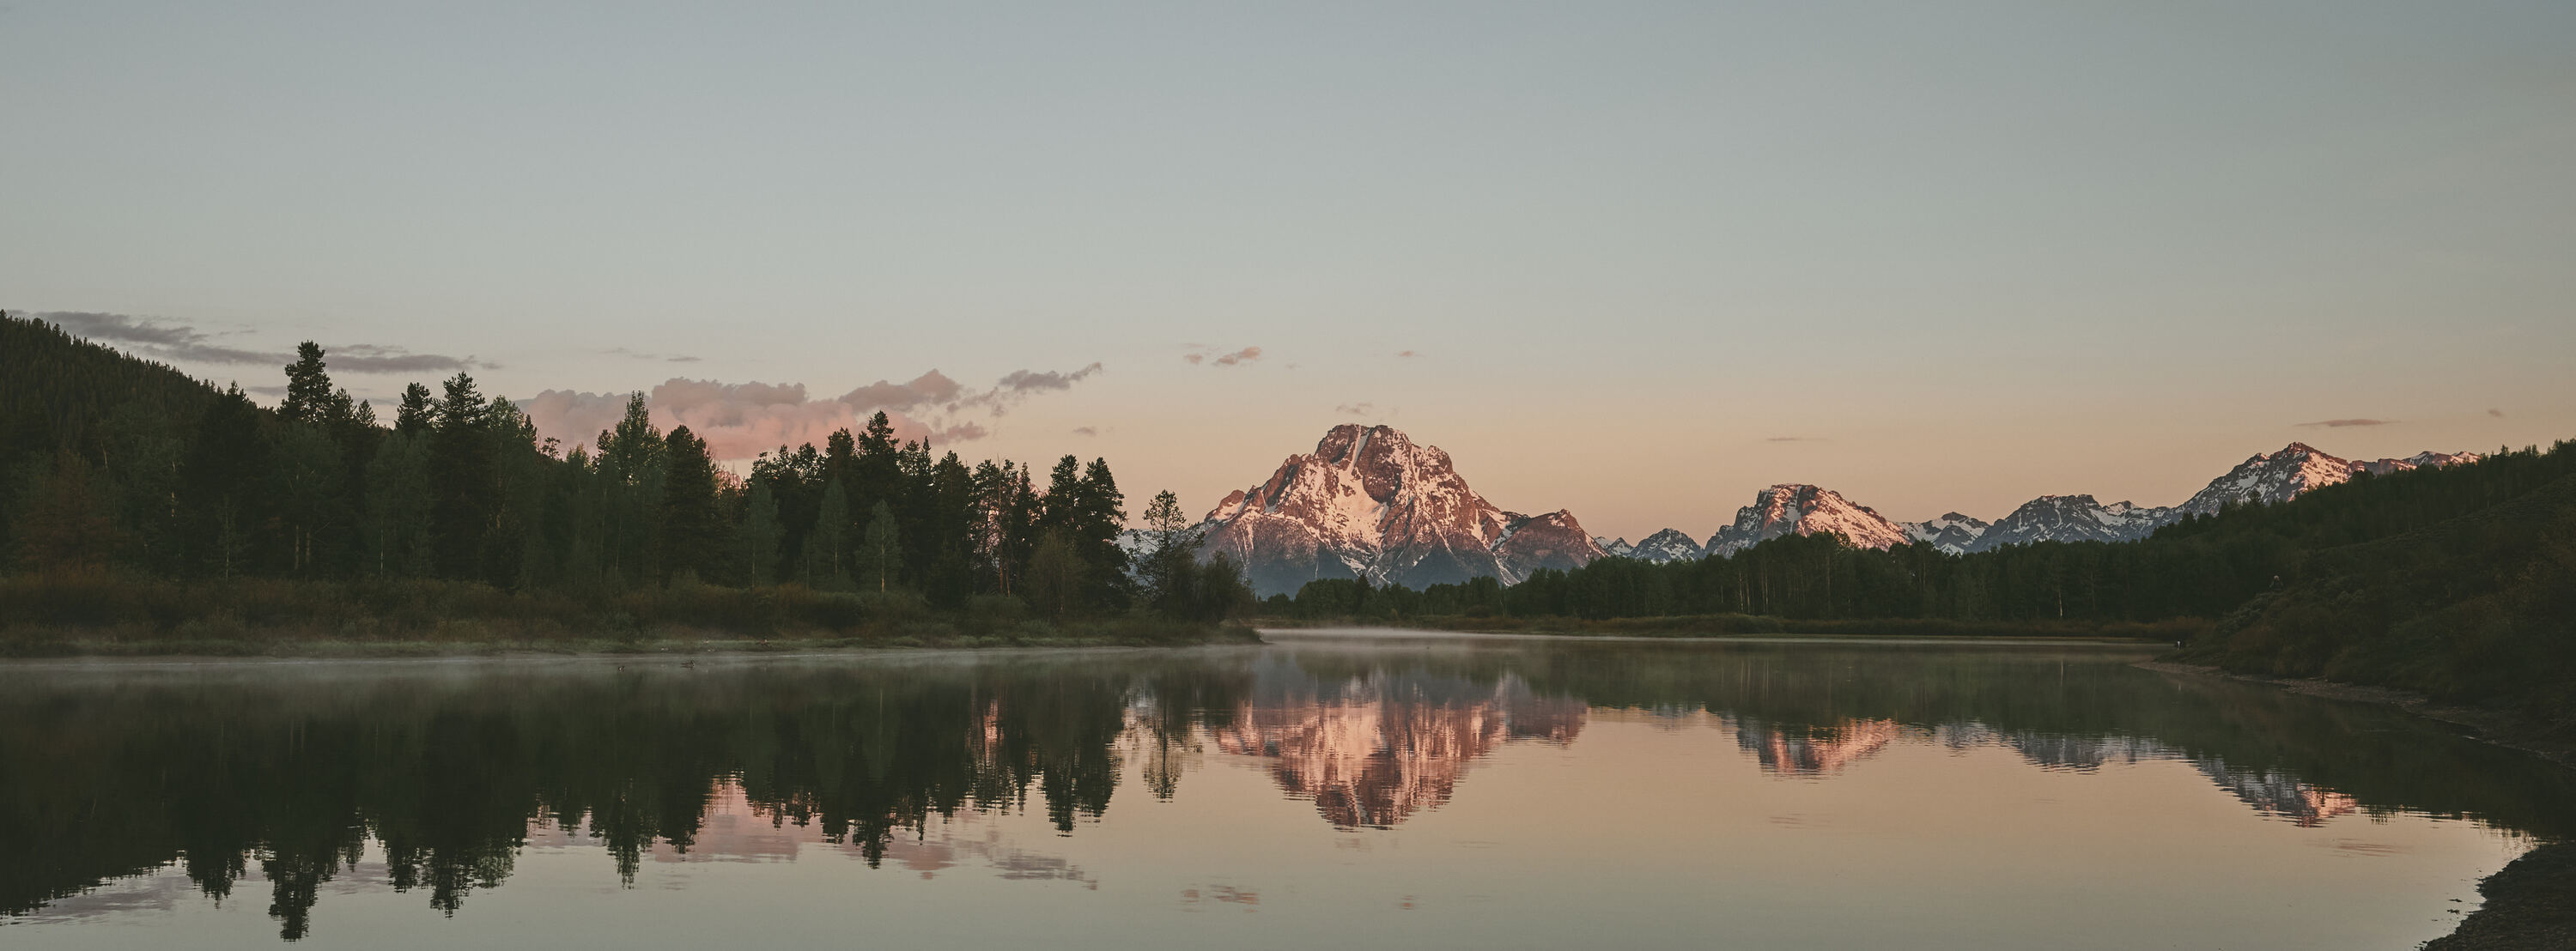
(117, 782)
(1374, 749)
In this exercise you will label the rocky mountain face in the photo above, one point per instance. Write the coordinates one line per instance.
(1667, 545)
(2070, 518)
(2275, 477)
(1370, 503)
(1803, 510)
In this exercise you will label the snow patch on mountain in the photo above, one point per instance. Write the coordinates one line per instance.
(1952, 532)
(1668, 545)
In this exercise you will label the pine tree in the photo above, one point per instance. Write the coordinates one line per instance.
(308, 387)
(690, 522)
(461, 484)
(1170, 573)
(416, 413)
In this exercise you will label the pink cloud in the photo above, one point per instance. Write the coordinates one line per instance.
(742, 420)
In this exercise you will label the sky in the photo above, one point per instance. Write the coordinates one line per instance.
(1635, 260)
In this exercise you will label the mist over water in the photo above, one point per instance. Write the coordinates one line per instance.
(1386, 789)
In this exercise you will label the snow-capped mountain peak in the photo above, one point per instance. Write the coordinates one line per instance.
(1370, 502)
(1792, 508)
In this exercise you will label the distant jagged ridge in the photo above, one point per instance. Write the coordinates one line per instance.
(2268, 478)
(1371, 503)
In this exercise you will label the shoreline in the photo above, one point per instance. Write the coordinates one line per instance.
(2524, 904)
(2495, 727)
(326, 649)
(1359, 632)
(724, 655)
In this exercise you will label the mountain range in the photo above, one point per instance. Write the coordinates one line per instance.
(1369, 502)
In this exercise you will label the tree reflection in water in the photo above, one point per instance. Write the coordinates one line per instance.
(450, 770)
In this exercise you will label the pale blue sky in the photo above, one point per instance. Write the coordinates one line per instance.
(1964, 253)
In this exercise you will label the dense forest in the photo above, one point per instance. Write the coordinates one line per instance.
(134, 497)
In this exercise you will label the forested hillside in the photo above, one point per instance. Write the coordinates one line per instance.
(2478, 607)
(2201, 567)
(2458, 581)
(135, 497)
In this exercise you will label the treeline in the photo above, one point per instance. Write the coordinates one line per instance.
(119, 467)
(2202, 567)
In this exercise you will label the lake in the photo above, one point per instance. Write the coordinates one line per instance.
(1329, 789)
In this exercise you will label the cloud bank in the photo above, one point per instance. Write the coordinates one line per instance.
(2341, 423)
(742, 420)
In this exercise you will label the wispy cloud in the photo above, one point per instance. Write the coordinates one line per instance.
(1408, 353)
(2341, 423)
(2497, 413)
(640, 355)
(1086, 431)
(173, 341)
(370, 358)
(1357, 409)
(1026, 381)
(1018, 386)
(1233, 358)
(1793, 439)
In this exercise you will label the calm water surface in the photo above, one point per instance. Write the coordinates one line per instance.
(1322, 791)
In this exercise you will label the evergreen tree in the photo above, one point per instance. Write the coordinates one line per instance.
(1169, 574)
(308, 387)
(416, 413)
(691, 530)
(461, 485)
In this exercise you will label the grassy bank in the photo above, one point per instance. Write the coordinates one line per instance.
(1720, 625)
(98, 614)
